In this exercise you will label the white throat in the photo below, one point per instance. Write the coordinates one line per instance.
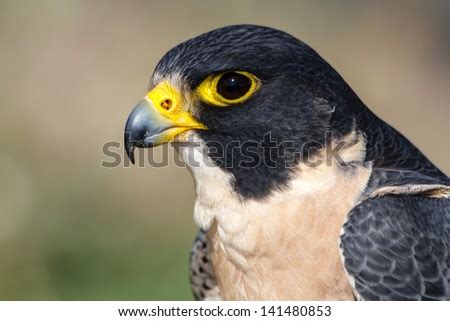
(215, 195)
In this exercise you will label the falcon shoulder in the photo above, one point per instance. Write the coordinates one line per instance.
(396, 246)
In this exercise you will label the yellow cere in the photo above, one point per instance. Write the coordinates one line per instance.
(207, 90)
(170, 104)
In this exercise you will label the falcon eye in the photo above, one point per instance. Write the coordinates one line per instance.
(227, 88)
(233, 85)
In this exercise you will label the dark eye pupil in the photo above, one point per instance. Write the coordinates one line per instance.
(233, 85)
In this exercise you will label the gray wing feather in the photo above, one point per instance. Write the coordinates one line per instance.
(396, 247)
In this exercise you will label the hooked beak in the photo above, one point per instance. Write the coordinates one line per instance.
(157, 119)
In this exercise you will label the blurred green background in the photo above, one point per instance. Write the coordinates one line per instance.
(70, 73)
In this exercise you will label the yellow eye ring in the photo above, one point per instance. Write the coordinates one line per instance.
(228, 88)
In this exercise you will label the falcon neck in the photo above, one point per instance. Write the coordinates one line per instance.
(389, 149)
(284, 247)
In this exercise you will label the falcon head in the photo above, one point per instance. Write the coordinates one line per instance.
(256, 97)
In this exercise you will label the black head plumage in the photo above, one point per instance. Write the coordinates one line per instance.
(301, 99)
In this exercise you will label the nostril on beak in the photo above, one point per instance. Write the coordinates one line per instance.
(166, 104)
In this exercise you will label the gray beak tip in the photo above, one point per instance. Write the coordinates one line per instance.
(144, 128)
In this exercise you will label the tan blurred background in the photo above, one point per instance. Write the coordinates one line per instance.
(70, 72)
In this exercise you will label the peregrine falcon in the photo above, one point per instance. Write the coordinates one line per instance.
(302, 193)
